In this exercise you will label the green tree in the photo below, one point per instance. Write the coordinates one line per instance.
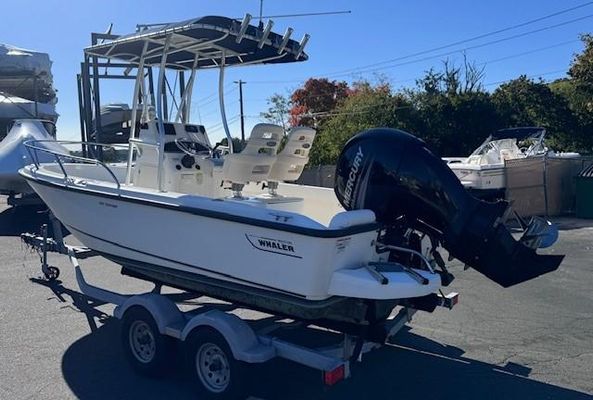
(455, 112)
(581, 71)
(525, 102)
(579, 92)
(366, 107)
(278, 110)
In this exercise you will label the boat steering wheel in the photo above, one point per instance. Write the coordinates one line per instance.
(193, 147)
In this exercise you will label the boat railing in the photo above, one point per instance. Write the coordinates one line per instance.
(33, 148)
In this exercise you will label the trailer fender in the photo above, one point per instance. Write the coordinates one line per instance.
(243, 342)
(163, 310)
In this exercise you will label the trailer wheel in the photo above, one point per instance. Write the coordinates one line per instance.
(145, 348)
(52, 273)
(213, 369)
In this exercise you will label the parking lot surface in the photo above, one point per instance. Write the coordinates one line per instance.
(533, 341)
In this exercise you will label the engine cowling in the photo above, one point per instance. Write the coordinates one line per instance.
(394, 174)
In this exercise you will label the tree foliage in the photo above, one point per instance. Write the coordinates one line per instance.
(316, 96)
(278, 110)
(581, 69)
(579, 90)
(525, 102)
(449, 108)
(455, 113)
(366, 107)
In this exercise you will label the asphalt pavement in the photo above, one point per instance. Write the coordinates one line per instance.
(533, 341)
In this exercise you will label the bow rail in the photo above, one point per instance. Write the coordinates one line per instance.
(33, 148)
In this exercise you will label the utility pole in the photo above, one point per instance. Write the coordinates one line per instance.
(241, 83)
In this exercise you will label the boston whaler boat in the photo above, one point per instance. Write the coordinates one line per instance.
(181, 214)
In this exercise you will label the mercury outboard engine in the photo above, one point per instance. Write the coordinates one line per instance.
(395, 175)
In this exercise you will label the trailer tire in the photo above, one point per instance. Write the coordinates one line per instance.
(52, 273)
(145, 348)
(214, 371)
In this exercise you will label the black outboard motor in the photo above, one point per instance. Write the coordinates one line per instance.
(395, 175)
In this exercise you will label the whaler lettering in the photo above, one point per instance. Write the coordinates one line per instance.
(275, 245)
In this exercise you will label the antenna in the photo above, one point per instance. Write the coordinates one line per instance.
(308, 14)
(261, 16)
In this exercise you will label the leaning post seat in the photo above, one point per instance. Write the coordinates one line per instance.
(255, 162)
(291, 161)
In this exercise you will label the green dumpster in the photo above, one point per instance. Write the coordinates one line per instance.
(584, 193)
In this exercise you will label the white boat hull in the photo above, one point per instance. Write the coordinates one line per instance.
(480, 177)
(300, 262)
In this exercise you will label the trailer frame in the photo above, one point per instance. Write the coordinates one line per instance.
(160, 320)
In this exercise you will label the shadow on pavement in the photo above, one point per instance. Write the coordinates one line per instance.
(414, 368)
(17, 220)
(77, 301)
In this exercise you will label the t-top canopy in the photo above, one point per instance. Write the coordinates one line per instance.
(522, 133)
(205, 38)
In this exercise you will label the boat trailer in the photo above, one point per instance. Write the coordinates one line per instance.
(218, 344)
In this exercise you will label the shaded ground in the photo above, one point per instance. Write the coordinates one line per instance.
(534, 341)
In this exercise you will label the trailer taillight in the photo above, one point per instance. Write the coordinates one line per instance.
(334, 376)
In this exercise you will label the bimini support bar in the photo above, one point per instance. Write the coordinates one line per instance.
(137, 86)
(160, 114)
(187, 94)
(221, 102)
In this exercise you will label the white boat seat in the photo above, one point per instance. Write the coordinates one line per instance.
(291, 161)
(346, 219)
(255, 162)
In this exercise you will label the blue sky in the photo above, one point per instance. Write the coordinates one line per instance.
(375, 31)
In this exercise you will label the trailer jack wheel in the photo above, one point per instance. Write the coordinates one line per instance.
(51, 273)
(145, 348)
(214, 371)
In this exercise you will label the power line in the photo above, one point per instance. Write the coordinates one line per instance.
(211, 95)
(315, 14)
(220, 125)
(201, 103)
(471, 47)
(531, 76)
(484, 35)
(491, 61)
(366, 68)
(524, 53)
